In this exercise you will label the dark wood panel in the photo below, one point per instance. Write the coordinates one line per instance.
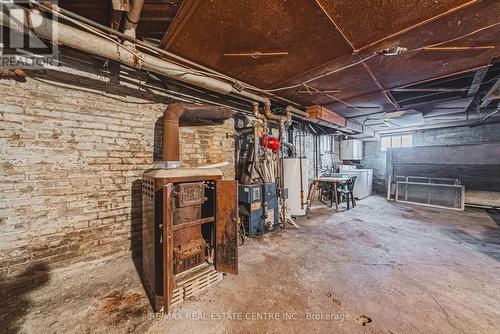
(226, 228)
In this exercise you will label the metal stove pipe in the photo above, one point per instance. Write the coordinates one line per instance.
(184, 114)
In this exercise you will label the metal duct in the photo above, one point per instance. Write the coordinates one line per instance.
(404, 118)
(178, 114)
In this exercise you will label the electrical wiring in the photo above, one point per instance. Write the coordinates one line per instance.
(456, 38)
(438, 93)
(333, 97)
(235, 83)
(312, 79)
(373, 55)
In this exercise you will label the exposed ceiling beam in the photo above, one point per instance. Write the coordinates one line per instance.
(493, 94)
(335, 24)
(430, 89)
(476, 82)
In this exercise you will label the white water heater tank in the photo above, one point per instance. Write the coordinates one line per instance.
(292, 183)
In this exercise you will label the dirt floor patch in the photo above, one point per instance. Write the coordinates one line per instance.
(118, 305)
(125, 310)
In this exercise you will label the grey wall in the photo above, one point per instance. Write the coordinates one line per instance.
(477, 166)
(376, 159)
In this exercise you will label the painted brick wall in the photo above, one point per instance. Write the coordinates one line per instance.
(376, 159)
(73, 145)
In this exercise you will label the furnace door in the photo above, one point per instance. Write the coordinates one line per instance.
(168, 251)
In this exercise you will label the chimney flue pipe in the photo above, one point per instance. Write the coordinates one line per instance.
(184, 114)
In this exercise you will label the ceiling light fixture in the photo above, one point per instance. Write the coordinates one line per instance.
(394, 51)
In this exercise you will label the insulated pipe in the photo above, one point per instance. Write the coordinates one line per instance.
(187, 114)
(100, 46)
(132, 18)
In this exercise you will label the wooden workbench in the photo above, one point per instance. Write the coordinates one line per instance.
(334, 181)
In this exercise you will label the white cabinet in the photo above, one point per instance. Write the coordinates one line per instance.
(363, 186)
(351, 149)
(292, 183)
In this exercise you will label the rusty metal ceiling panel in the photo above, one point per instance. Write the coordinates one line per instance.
(365, 22)
(364, 105)
(307, 41)
(422, 65)
(408, 69)
(356, 87)
(460, 23)
(351, 82)
(206, 30)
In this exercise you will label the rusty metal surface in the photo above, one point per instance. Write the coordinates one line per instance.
(307, 34)
(217, 27)
(357, 88)
(416, 66)
(365, 22)
(168, 246)
(189, 194)
(151, 255)
(363, 105)
(187, 214)
(345, 85)
(226, 228)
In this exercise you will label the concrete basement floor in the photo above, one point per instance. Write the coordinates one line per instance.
(380, 268)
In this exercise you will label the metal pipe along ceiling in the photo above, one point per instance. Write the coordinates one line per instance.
(110, 49)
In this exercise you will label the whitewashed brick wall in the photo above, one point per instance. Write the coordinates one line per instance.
(71, 158)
